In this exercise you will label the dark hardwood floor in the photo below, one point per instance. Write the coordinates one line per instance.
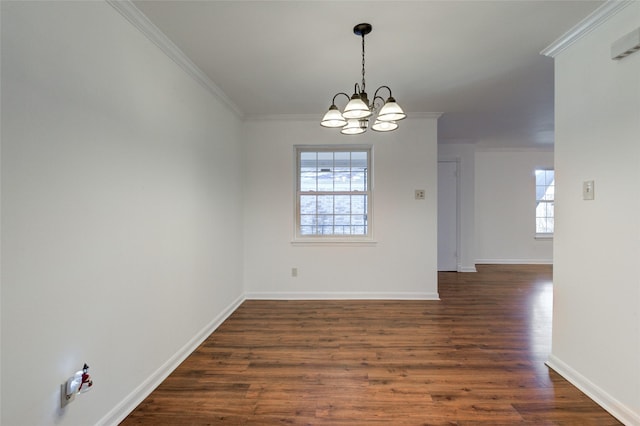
(475, 357)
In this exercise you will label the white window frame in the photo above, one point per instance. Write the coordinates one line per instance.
(357, 239)
(543, 235)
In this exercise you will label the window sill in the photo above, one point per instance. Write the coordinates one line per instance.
(544, 237)
(328, 241)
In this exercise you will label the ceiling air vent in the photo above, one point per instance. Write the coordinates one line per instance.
(626, 45)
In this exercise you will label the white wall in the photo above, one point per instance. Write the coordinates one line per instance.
(121, 211)
(402, 264)
(505, 207)
(596, 318)
(464, 154)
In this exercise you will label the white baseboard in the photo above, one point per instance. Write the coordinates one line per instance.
(341, 296)
(126, 406)
(617, 409)
(467, 268)
(514, 261)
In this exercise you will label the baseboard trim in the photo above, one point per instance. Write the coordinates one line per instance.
(126, 406)
(341, 296)
(467, 268)
(514, 261)
(597, 394)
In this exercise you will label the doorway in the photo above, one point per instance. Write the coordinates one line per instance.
(447, 215)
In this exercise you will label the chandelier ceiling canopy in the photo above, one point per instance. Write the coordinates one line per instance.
(358, 111)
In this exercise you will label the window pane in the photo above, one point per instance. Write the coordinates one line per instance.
(325, 179)
(308, 204)
(307, 230)
(343, 219)
(541, 225)
(342, 204)
(359, 230)
(359, 219)
(545, 194)
(549, 194)
(358, 204)
(342, 160)
(359, 159)
(541, 210)
(549, 177)
(550, 225)
(307, 219)
(342, 180)
(358, 179)
(308, 171)
(308, 180)
(325, 160)
(325, 204)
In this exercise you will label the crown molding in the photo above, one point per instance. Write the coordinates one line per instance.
(283, 117)
(527, 148)
(434, 115)
(139, 20)
(317, 117)
(584, 27)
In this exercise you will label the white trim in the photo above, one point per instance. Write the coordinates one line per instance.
(318, 117)
(584, 27)
(435, 115)
(544, 236)
(467, 268)
(616, 408)
(127, 405)
(514, 261)
(539, 148)
(330, 241)
(326, 295)
(139, 20)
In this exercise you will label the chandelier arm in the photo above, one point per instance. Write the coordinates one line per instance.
(375, 95)
(333, 102)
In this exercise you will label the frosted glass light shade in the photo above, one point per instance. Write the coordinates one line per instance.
(354, 127)
(356, 108)
(384, 126)
(391, 111)
(333, 118)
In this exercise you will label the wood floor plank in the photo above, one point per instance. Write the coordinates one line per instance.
(474, 357)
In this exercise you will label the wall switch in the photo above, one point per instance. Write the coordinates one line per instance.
(420, 194)
(294, 272)
(588, 190)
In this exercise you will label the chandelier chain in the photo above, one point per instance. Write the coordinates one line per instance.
(363, 83)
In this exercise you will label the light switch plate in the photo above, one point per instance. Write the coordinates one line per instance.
(588, 190)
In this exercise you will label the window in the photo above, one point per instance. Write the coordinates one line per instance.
(545, 194)
(333, 191)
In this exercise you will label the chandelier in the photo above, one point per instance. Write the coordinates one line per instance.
(355, 117)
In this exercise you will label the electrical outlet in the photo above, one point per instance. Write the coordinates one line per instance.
(420, 194)
(294, 272)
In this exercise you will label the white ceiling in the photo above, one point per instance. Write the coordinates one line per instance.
(478, 62)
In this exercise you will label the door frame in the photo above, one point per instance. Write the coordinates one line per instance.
(455, 160)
